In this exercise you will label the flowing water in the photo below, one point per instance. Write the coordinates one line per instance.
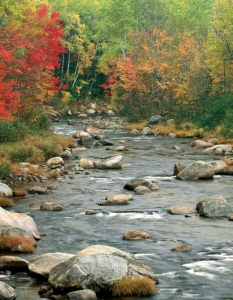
(205, 272)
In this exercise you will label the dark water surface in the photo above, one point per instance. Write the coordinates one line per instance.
(206, 272)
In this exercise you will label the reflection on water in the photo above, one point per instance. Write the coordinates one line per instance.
(203, 273)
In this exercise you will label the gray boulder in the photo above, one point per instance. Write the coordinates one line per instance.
(96, 272)
(214, 209)
(7, 292)
(103, 249)
(216, 198)
(155, 120)
(43, 264)
(92, 130)
(197, 170)
(110, 163)
(19, 220)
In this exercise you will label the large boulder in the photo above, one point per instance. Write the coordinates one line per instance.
(7, 292)
(214, 209)
(96, 272)
(155, 120)
(42, 264)
(220, 167)
(197, 170)
(132, 184)
(219, 149)
(5, 190)
(216, 198)
(12, 219)
(110, 163)
(103, 249)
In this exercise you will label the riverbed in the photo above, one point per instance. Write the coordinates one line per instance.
(205, 272)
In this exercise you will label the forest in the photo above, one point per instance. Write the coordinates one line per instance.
(144, 57)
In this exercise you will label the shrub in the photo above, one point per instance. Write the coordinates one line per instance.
(5, 166)
(8, 242)
(19, 193)
(12, 131)
(6, 201)
(133, 287)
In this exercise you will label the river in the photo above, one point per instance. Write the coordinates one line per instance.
(205, 272)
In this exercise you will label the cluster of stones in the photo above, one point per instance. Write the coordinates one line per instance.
(83, 275)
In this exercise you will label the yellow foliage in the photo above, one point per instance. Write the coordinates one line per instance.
(65, 97)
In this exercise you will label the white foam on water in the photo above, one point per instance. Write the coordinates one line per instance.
(201, 267)
(169, 274)
(190, 296)
(146, 255)
(172, 291)
(202, 274)
(133, 216)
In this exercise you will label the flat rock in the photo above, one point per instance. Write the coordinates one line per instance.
(50, 206)
(126, 197)
(219, 149)
(135, 235)
(81, 295)
(43, 264)
(13, 263)
(181, 210)
(181, 248)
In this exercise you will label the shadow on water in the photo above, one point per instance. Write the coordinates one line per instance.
(205, 272)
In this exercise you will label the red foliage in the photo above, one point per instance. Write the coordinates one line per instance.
(29, 55)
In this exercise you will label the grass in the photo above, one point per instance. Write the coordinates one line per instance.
(134, 287)
(33, 149)
(9, 242)
(20, 193)
(6, 201)
(139, 125)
